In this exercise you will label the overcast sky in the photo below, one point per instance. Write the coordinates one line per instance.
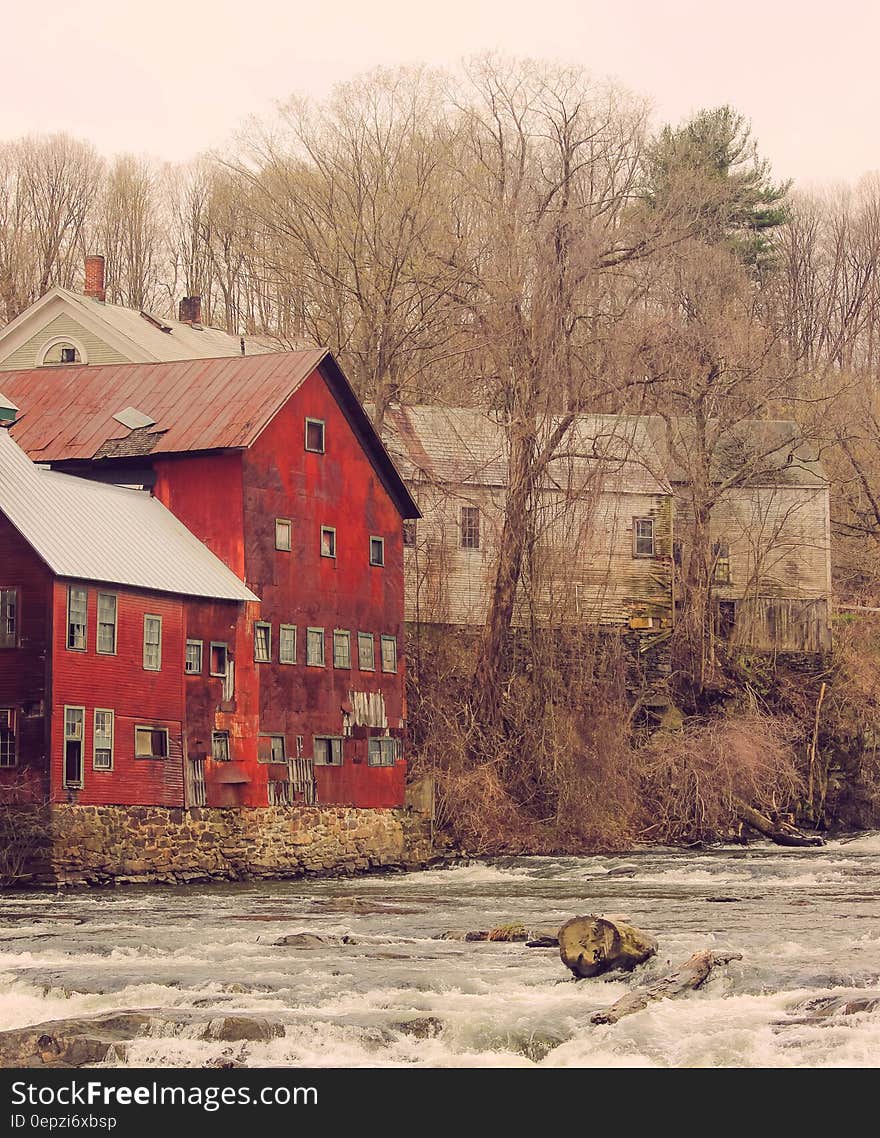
(173, 77)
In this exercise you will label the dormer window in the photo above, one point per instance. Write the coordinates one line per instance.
(61, 352)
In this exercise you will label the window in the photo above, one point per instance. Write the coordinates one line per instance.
(219, 658)
(328, 541)
(389, 653)
(62, 352)
(262, 642)
(315, 647)
(315, 435)
(381, 752)
(73, 746)
(470, 527)
(721, 568)
(7, 737)
(193, 665)
(271, 749)
(151, 742)
(8, 618)
(328, 751)
(282, 534)
(77, 609)
(152, 643)
(107, 624)
(366, 652)
(341, 648)
(409, 532)
(220, 746)
(102, 747)
(377, 550)
(287, 644)
(643, 537)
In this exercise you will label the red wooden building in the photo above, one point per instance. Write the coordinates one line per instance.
(271, 462)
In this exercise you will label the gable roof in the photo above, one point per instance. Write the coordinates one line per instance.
(139, 336)
(206, 404)
(92, 531)
(468, 446)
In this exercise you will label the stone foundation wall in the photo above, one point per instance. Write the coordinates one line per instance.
(104, 844)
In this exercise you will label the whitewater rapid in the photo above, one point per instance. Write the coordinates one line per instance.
(807, 923)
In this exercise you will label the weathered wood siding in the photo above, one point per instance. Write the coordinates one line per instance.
(780, 577)
(30, 353)
(582, 570)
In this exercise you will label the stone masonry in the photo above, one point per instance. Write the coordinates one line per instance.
(104, 844)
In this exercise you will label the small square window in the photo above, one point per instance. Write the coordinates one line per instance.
(219, 659)
(315, 647)
(366, 652)
(389, 653)
(193, 657)
(287, 644)
(282, 534)
(315, 435)
(328, 541)
(220, 746)
(151, 742)
(271, 749)
(341, 648)
(262, 642)
(328, 751)
(377, 550)
(643, 537)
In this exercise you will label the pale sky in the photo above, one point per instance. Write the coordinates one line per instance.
(173, 77)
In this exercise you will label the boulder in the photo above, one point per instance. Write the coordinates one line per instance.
(591, 945)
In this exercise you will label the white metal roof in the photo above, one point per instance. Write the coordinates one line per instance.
(96, 532)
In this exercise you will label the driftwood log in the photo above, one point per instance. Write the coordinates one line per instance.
(685, 978)
(591, 945)
(779, 832)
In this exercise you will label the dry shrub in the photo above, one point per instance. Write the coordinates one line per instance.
(477, 811)
(692, 779)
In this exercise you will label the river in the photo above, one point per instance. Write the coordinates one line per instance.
(807, 923)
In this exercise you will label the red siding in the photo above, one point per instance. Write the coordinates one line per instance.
(339, 489)
(204, 492)
(121, 684)
(24, 669)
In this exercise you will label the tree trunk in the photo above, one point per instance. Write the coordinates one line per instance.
(592, 945)
(685, 978)
(779, 832)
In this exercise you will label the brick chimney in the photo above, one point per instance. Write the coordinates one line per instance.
(95, 277)
(190, 310)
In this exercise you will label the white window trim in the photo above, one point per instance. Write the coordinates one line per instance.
(381, 540)
(98, 622)
(286, 628)
(282, 522)
(50, 344)
(373, 642)
(68, 645)
(82, 750)
(104, 711)
(267, 659)
(152, 727)
(390, 640)
(224, 644)
(187, 671)
(323, 425)
(635, 536)
(149, 667)
(323, 663)
(346, 634)
(328, 529)
(14, 719)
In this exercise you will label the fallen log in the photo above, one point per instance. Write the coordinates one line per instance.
(781, 833)
(591, 945)
(826, 1009)
(685, 978)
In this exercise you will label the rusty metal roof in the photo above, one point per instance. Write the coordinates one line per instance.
(68, 414)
